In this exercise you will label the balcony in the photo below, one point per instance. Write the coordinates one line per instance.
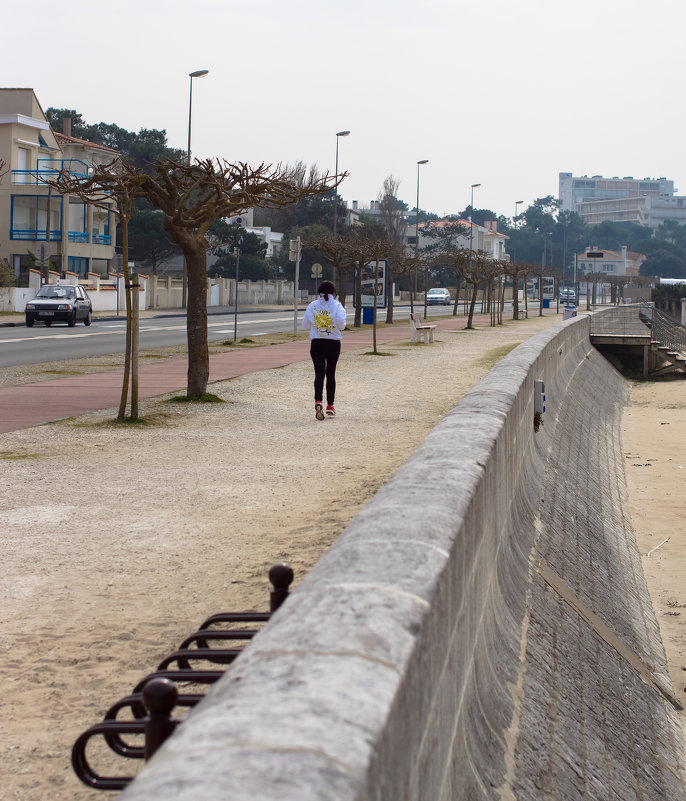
(50, 170)
(77, 236)
(35, 234)
(102, 239)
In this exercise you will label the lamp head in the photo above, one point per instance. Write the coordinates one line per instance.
(423, 161)
(343, 133)
(475, 185)
(198, 74)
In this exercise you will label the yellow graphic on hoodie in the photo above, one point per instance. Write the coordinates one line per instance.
(323, 322)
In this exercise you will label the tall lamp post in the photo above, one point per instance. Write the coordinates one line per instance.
(514, 222)
(191, 75)
(416, 242)
(335, 207)
(471, 211)
(335, 197)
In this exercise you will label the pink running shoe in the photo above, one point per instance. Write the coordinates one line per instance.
(318, 413)
(330, 411)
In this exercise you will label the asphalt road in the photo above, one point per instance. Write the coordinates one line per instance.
(20, 345)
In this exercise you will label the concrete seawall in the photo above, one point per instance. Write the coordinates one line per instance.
(481, 630)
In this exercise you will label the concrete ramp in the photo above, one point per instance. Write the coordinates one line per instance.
(481, 630)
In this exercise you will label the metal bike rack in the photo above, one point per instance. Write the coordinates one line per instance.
(156, 696)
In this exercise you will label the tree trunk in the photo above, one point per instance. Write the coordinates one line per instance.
(457, 295)
(389, 293)
(126, 212)
(472, 304)
(196, 320)
(342, 274)
(358, 296)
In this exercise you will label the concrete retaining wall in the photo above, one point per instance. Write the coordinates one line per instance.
(425, 656)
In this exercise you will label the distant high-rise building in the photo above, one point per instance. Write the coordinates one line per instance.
(584, 189)
(646, 201)
(650, 201)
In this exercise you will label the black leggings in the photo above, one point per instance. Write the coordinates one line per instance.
(325, 353)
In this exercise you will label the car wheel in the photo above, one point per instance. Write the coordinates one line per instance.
(71, 322)
(87, 319)
(29, 322)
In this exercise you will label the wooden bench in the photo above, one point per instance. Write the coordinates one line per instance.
(418, 329)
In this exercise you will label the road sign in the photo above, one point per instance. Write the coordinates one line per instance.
(294, 250)
(316, 270)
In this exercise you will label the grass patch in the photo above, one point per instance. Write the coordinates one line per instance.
(150, 420)
(11, 456)
(142, 422)
(377, 353)
(63, 372)
(492, 357)
(206, 397)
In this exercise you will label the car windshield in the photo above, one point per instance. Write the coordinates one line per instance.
(55, 292)
(437, 291)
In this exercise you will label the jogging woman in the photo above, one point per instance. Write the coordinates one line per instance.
(325, 317)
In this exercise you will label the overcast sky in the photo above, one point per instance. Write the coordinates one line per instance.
(505, 94)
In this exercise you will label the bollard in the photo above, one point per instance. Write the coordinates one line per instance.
(281, 577)
(159, 697)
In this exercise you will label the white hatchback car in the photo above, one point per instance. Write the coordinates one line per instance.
(438, 296)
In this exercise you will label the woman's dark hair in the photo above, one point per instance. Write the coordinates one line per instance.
(326, 288)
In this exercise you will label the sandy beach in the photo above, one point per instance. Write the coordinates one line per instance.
(118, 542)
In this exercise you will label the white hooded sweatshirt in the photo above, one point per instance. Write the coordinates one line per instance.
(325, 318)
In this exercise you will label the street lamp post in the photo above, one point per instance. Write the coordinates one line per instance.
(191, 75)
(471, 211)
(335, 196)
(416, 242)
(514, 222)
(335, 207)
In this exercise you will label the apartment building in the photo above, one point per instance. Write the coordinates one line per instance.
(648, 201)
(38, 225)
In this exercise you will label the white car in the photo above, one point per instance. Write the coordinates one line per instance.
(437, 296)
(567, 295)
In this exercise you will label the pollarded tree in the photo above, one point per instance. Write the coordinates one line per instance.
(516, 270)
(334, 248)
(113, 187)
(364, 245)
(455, 258)
(190, 197)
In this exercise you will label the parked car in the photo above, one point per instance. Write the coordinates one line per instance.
(437, 296)
(567, 295)
(57, 302)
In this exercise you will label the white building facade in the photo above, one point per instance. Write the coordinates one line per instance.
(609, 262)
(37, 223)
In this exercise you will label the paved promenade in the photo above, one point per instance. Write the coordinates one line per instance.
(57, 399)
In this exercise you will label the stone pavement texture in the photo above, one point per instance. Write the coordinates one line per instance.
(57, 399)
